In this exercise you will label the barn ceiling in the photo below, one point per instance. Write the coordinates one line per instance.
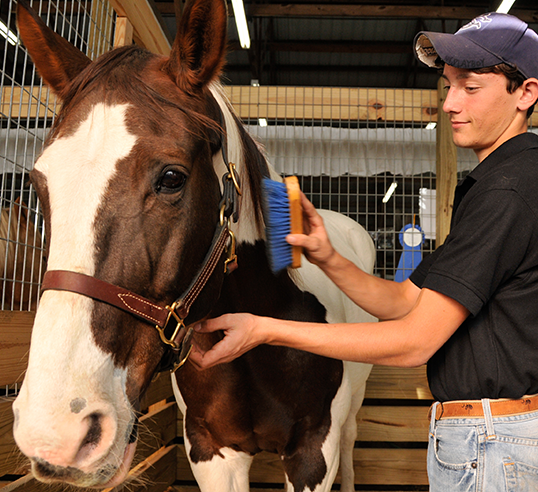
(344, 43)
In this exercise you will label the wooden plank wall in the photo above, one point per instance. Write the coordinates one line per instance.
(390, 450)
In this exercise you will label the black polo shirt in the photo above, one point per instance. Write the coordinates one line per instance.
(489, 264)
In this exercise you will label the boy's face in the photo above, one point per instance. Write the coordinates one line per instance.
(482, 113)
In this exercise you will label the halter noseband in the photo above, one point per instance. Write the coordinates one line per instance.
(147, 310)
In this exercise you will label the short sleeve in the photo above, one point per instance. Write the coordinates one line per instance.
(483, 249)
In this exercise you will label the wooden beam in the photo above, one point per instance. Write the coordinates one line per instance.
(281, 102)
(147, 24)
(377, 11)
(324, 103)
(447, 169)
(26, 102)
(100, 29)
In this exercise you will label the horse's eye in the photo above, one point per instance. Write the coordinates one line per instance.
(171, 181)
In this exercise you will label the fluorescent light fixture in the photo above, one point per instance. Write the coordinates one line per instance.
(6, 33)
(430, 126)
(389, 192)
(262, 122)
(505, 6)
(241, 23)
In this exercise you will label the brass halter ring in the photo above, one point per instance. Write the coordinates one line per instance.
(233, 176)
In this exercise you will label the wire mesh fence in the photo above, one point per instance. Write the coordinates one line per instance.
(367, 153)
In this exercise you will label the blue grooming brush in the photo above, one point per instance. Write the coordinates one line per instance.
(283, 215)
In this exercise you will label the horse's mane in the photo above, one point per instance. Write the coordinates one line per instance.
(253, 165)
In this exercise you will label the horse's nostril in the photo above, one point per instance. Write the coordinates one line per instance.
(94, 432)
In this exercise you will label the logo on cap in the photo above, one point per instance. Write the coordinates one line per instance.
(477, 22)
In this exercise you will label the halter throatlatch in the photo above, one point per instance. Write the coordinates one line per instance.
(174, 335)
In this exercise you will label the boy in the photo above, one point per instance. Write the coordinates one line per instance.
(470, 310)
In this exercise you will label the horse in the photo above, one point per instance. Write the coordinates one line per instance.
(21, 249)
(151, 194)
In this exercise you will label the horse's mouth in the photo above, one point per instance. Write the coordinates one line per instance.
(107, 476)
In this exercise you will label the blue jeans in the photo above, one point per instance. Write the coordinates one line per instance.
(490, 454)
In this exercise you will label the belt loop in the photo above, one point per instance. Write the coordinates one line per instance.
(486, 407)
(433, 414)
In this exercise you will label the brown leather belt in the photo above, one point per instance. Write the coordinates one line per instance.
(473, 408)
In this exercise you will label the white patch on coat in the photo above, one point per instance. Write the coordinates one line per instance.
(65, 363)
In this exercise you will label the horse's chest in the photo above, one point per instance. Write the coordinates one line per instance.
(256, 404)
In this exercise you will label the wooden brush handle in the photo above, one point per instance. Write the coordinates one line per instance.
(296, 216)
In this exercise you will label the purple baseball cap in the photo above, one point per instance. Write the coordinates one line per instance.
(487, 40)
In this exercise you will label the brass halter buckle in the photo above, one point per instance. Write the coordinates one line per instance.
(180, 325)
(185, 347)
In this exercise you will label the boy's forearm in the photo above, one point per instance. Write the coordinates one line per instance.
(384, 299)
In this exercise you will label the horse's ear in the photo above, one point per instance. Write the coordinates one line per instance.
(55, 58)
(197, 55)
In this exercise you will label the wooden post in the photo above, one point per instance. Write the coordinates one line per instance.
(447, 168)
(124, 32)
(146, 21)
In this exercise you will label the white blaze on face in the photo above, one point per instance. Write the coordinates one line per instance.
(69, 379)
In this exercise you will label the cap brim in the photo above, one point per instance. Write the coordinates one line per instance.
(457, 51)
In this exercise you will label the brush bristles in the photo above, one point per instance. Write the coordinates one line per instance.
(278, 224)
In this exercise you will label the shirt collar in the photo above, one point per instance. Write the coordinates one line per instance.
(498, 157)
(506, 151)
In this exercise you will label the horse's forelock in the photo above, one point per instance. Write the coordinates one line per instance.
(116, 78)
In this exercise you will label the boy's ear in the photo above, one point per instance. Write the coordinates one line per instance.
(529, 95)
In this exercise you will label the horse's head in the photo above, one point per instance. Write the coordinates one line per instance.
(130, 185)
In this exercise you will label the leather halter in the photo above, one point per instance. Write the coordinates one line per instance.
(176, 336)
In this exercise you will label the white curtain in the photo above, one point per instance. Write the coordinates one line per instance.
(316, 151)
